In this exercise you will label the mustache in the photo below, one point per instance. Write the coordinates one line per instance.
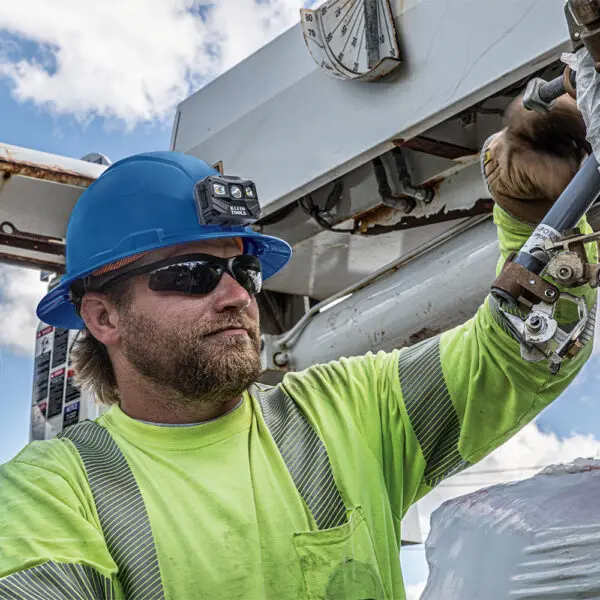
(239, 321)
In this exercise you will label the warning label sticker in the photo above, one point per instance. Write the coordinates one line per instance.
(41, 372)
(71, 392)
(61, 344)
(55, 401)
(43, 352)
(71, 415)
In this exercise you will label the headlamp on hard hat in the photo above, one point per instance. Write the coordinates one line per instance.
(226, 200)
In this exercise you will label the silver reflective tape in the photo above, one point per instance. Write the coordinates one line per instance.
(57, 581)
(304, 455)
(590, 326)
(121, 510)
(430, 410)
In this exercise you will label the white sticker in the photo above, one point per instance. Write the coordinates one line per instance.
(538, 238)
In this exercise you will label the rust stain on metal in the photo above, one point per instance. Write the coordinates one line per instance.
(436, 182)
(32, 263)
(376, 215)
(11, 166)
(12, 237)
(422, 335)
(45, 246)
(380, 216)
(435, 147)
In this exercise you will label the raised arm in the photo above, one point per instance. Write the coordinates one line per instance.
(428, 411)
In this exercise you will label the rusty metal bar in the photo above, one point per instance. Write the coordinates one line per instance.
(434, 147)
(12, 167)
(31, 263)
(369, 221)
(34, 243)
(17, 161)
(37, 192)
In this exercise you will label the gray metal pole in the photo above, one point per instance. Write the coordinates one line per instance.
(438, 290)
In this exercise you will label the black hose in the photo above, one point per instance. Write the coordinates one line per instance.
(552, 90)
(555, 88)
(568, 210)
(576, 199)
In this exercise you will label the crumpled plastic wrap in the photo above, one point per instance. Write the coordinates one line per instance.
(537, 539)
(588, 94)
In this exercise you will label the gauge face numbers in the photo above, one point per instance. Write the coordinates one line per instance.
(352, 39)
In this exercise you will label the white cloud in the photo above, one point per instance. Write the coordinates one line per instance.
(413, 592)
(122, 61)
(20, 291)
(597, 333)
(131, 61)
(529, 448)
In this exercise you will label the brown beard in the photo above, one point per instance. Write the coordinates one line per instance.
(189, 364)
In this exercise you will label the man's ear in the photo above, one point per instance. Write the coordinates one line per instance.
(101, 318)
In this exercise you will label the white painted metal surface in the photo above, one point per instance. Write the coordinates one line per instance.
(278, 119)
(325, 262)
(37, 193)
(440, 288)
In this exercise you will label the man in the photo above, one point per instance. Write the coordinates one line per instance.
(198, 484)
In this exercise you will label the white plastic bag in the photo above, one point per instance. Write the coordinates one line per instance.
(588, 94)
(537, 539)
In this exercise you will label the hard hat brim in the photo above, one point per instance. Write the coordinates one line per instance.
(56, 309)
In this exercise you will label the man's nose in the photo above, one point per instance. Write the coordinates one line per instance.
(230, 295)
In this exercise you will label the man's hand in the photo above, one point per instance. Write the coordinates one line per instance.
(531, 161)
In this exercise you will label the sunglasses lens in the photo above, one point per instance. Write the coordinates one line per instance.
(202, 277)
(248, 273)
(205, 278)
(189, 277)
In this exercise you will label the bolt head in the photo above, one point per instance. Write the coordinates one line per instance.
(565, 272)
(281, 359)
(550, 293)
(534, 323)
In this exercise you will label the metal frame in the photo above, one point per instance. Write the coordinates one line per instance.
(37, 193)
(294, 129)
(405, 302)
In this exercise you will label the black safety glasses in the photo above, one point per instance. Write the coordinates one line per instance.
(198, 273)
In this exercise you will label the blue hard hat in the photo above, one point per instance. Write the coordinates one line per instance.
(138, 204)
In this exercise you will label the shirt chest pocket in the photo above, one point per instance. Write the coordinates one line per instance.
(340, 563)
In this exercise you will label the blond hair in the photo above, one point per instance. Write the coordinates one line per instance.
(94, 372)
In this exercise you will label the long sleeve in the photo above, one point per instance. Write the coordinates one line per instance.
(431, 410)
(51, 543)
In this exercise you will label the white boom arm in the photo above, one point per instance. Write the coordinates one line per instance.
(37, 193)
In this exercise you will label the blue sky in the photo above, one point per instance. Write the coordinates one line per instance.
(117, 101)
(25, 125)
(74, 82)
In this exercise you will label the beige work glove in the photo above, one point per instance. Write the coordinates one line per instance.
(529, 163)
